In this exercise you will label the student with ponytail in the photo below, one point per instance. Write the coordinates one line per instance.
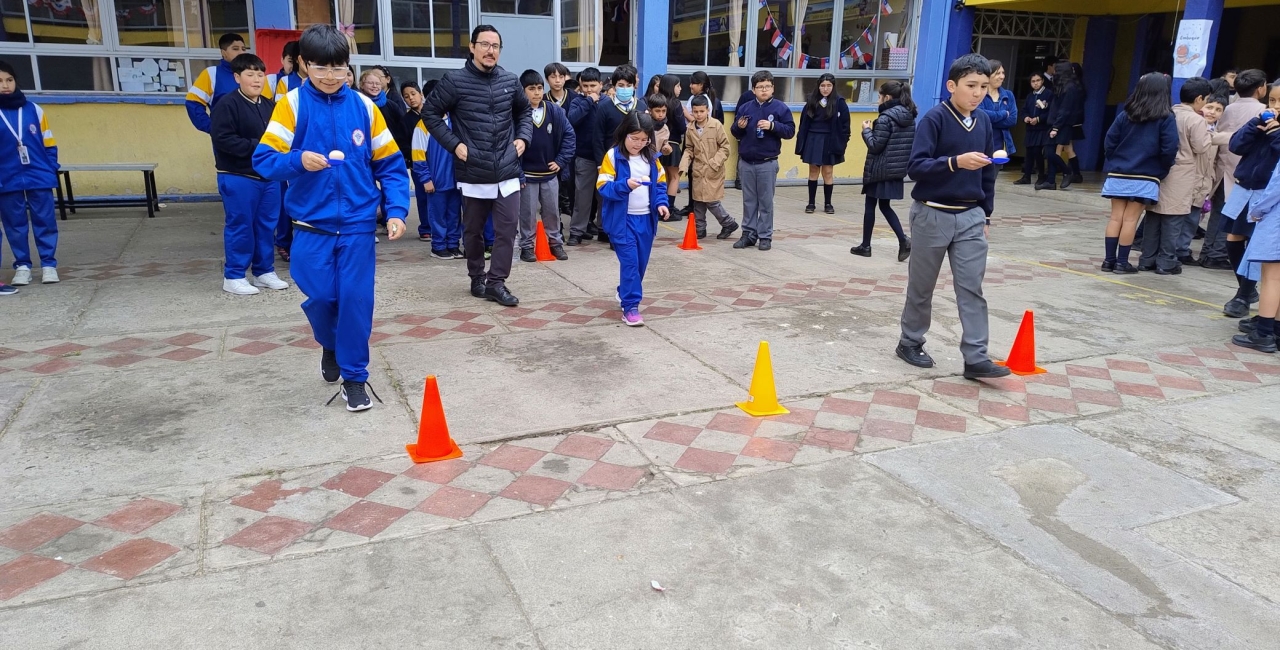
(888, 141)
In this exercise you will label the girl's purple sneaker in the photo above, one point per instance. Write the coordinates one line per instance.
(632, 318)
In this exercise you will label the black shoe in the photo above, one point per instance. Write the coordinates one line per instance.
(1066, 181)
(1077, 178)
(829, 209)
(1108, 265)
(477, 287)
(904, 250)
(443, 254)
(747, 240)
(985, 370)
(500, 295)
(457, 254)
(702, 234)
(914, 355)
(1187, 260)
(1046, 185)
(574, 240)
(1124, 268)
(1254, 297)
(1255, 342)
(675, 215)
(329, 370)
(1247, 325)
(1200, 233)
(1236, 308)
(558, 252)
(354, 394)
(1217, 264)
(810, 209)
(863, 250)
(1177, 270)
(526, 255)
(1146, 268)
(603, 237)
(764, 244)
(1025, 180)
(727, 231)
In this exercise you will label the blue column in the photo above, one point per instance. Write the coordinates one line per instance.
(1099, 50)
(1202, 10)
(653, 31)
(931, 51)
(959, 41)
(1141, 44)
(272, 14)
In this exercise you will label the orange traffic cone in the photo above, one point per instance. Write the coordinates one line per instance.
(763, 398)
(690, 242)
(1022, 358)
(434, 442)
(541, 247)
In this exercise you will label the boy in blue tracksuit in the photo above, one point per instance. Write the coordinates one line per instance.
(215, 82)
(433, 172)
(333, 146)
(251, 203)
(28, 174)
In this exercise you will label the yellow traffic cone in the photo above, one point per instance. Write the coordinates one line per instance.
(763, 398)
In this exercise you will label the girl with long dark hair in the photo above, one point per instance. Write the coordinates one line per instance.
(888, 141)
(669, 88)
(700, 84)
(822, 138)
(1035, 114)
(1140, 147)
(1065, 115)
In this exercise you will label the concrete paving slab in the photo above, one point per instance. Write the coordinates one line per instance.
(182, 302)
(87, 241)
(557, 376)
(1249, 421)
(763, 563)
(42, 311)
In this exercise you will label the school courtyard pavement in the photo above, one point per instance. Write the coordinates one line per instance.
(172, 478)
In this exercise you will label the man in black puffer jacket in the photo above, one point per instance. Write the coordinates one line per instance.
(492, 125)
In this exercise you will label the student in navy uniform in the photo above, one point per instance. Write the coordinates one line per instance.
(677, 125)
(954, 197)
(433, 176)
(251, 203)
(761, 126)
(214, 82)
(823, 138)
(1065, 114)
(1035, 114)
(28, 174)
(586, 160)
(549, 155)
(558, 93)
(1140, 147)
(335, 205)
(889, 140)
(1258, 145)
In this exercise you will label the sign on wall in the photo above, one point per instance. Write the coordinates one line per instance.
(1190, 49)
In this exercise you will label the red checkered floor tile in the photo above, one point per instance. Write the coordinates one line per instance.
(1229, 364)
(1048, 219)
(765, 295)
(109, 353)
(1081, 264)
(598, 311)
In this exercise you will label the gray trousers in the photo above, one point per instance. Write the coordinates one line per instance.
(1183, 247)
(758, 183)
(700, 209)
(585, 172)
(506, 216)
(935, 233)
(1215, 235)
(1160, 240)
(540, 195)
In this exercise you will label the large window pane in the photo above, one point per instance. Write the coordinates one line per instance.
(777, 22)
(75, 73)
(688, 33)
(452, 28)
(856, 51)
(815, 36)
(726, 32)
(208, 20)
(411, 27)
(522, 7)
(14, 28)
(150, 75)
(22, 66)
(892, 46)
(151, 23)
(76, 22)
(579, 31)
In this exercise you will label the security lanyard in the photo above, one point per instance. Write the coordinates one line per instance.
(23, 155)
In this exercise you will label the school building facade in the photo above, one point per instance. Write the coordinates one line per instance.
(112, 74)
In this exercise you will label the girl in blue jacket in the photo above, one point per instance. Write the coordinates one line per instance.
(633, 196)
(1001, 106)
(28, 174)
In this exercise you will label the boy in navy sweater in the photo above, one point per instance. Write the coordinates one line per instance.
(252, 203)
(586, 160)
(549, 153)
(761, 126)
(954, 196)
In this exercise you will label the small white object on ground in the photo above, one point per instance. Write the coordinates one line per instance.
(656, 586)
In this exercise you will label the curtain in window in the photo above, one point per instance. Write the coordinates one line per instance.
(733, 83)
(94, 36)
(797, 37)
(346, 22)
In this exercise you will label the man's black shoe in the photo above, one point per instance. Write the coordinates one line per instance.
(764, 244)
(558, 252)
(477, 287)
(726, 233)
(1236, 308)
(985, 370)
(747, 240)
(914, 355)
(574, 240)
(1255, 342)
(526, 255)
(329, 369)
(500, 295)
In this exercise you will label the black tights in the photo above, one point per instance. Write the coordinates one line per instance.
(869, 219)
(1034, 162)
(1056, 164)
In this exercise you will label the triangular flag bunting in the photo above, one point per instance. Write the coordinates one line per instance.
(785, 51)
(768, 23)
(777, 39)
(885, 8)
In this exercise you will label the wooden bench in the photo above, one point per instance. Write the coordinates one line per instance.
(69, 203)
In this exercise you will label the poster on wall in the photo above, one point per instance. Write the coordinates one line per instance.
(1191, 48)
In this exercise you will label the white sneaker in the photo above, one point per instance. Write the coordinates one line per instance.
(21, 276)
(270, 281)
(240, 287)
(49, 275)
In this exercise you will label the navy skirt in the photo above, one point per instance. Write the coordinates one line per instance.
(815, 151)
(883, 189)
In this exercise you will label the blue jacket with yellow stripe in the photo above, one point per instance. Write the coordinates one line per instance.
(342, 199)
(33, 126)
(615, 171)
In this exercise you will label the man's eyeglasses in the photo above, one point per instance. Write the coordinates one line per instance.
(490, 47)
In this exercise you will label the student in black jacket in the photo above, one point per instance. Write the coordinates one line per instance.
(1035, 114)
(1066, 114)
(251, 203)
(889, 140)
(823, 138)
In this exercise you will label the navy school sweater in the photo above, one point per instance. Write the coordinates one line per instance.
(582, 117)
(1259, 152)
(553, 141)
(236, 128)
(756, 150)
(1141, 149)
(941, 137)
(608, 116)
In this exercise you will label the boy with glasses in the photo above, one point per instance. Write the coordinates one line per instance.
(760, 127)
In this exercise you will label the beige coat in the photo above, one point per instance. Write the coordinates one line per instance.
(706, 153)
(1191, 177)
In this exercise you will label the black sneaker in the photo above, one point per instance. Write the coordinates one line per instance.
(904, 250)
(355, 395)
(457, 254)
(747, 240)
(1124, 268)
(477, 287)
(914, 355)
(574, 240)
(500, 295)
(829, 209)
(810, 209)
(1247, 325)
(863, 250)
(764, 244)
(329, 370)
(727, 231)
(1236, 308)
(1025, 180)
(526, 255)
(442, 254)
(558, 252)
(1255, 342)
(985, 370)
